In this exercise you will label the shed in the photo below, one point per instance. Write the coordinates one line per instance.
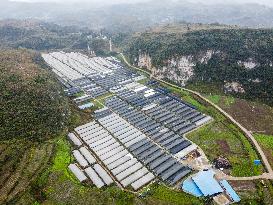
(229, 190)
(79, 174)
(143, 181)
(80, 159)
(94, 177)
(87, 155)
(85, 106)
(103, 174)
(207, 184)
(74, 139)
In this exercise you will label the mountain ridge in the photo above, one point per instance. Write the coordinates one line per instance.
(139, 16)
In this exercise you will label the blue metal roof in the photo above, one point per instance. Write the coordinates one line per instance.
(257, 162)
(206, 183)
(230, 191)
(190, 187)
(88, 105)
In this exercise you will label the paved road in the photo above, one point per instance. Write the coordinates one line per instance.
(268, 175)
(222, 175)
(263, 176)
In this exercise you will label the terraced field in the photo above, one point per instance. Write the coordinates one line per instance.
(21, 164)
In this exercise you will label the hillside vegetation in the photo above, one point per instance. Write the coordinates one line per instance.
(42, 36)
(229, 48)
(31, 100)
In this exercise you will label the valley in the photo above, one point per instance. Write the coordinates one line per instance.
(136, 103)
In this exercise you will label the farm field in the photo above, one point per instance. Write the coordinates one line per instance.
(254, 192)
(56, 185)
(128, 104)
(139, 102)
(266, 141)
(255, 116)
(21, 164)
(222, 139)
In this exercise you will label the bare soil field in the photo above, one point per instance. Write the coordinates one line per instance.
(254, 192)
(223, 145)
(254, 116)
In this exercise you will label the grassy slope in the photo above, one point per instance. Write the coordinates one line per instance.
(266, 142)
(255, 116)
(21, 163)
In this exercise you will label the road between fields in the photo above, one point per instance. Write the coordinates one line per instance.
(248, 134)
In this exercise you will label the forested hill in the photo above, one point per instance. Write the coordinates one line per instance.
(241, 60)
(32, 34)
(31, 100)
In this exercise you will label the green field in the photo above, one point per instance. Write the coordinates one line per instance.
(266, 142)
(163, 193)
(223, 139)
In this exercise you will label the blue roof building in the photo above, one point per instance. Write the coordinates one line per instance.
(190, 187)
(230, 191)
(207, 184)
(85, 106)
(203, 184)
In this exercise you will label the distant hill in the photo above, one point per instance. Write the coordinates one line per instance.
(239, 60)
(38, 35)
(133, 17)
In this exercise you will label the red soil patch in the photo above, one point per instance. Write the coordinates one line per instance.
(223, 146)
(243, 185)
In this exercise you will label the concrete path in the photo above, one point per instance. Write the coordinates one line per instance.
(221, 175)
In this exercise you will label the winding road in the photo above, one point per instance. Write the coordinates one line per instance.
(269, 174)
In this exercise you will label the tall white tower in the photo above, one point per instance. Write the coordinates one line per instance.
(110, 44)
